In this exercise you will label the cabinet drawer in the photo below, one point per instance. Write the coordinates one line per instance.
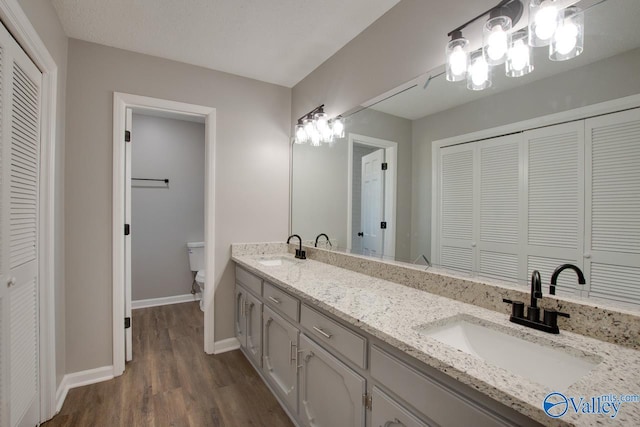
(438, 402)
(281, 301)
(251, 282)
(346, 342)
(387, 412)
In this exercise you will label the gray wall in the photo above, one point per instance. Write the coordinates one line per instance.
(396, 48)
(165, 217)
(601, 81)
(45, 20)
(319, 199)
(252, 175)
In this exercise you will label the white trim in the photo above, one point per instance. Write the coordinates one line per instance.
(79, 379)
(391, 181)
(120, 102)
(155, 302)
(22, 30)
(225, 345)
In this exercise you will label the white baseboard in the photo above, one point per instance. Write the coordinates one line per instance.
(78, 379)
(228, 344)
(154, 302)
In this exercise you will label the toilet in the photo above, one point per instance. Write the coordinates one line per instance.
(196, 264)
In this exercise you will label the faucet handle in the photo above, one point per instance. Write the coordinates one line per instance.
(517, 307)
(550, 317)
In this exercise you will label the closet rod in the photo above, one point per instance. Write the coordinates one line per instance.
(165, 180)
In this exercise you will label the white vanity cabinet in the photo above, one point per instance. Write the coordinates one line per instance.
(330, 392)
(280, 354)
(387, 412)
(327, 373)
(248, 323)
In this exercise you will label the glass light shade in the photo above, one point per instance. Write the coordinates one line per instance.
(301, 135)
(312, 132)
(519, 58)
(457, 59)
(496, 39)
(338, 127)
(568, 40)
(322, 126)
(544, 17)
(479, 76)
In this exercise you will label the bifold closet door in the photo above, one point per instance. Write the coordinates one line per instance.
(20, 83)
(612, 254)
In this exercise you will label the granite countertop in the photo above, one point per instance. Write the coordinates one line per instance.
(394, 313)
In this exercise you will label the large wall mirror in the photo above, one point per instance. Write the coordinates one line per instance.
(343, 189)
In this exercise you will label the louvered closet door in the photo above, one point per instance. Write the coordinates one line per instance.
(555, 200)
(20, 139)
(613, 206)
(457, 210)
(499, 207)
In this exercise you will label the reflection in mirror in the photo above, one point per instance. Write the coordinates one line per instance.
(333, 191)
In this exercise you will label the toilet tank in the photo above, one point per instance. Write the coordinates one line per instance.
(196, 255)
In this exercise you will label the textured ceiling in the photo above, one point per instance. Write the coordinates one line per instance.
(276, 41)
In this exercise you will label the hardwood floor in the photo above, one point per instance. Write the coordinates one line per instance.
(172, 382)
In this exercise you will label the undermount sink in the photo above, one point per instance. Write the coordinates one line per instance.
(544, 363)
(273, 262)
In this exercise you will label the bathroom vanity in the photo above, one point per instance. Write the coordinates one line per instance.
(340, 348)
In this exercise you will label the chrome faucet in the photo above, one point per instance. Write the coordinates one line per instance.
(300, 254)
(549, 322)
(560, 269)
(327, 237)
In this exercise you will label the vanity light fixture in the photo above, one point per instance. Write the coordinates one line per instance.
(316, 128)
(554, 23)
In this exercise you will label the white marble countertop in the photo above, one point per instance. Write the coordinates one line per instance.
(393, 313)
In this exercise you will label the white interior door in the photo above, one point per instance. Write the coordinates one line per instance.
(372, 209)
(19, 188)
(127, 238)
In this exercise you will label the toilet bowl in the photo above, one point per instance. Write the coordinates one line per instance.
(200, 282)
(196, 264)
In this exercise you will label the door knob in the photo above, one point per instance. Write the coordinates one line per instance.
(361, 234)
(11, 282)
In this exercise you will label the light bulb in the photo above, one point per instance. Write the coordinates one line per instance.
(546, 21)
(458, 61)
(479, 72)
(519, 55)
(338, 127)
(566, 38)
(301, 135)
(497, 43)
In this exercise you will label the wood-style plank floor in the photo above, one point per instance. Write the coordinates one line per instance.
(172, 382)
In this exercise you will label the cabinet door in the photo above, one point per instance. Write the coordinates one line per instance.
(240, 319)
(253, 331)
(386, 412)
(330, 392)
(280, 357)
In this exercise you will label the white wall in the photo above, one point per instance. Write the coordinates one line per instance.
(45, 21)
(165, 217)
(252, 175)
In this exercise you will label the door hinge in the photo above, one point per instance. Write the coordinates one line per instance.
(127, 322)
(127, 229)
(367, 401)
(385, 166)
(383, 224)
(127, 136)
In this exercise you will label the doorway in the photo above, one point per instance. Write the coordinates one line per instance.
(124, 106)
(371, 195)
